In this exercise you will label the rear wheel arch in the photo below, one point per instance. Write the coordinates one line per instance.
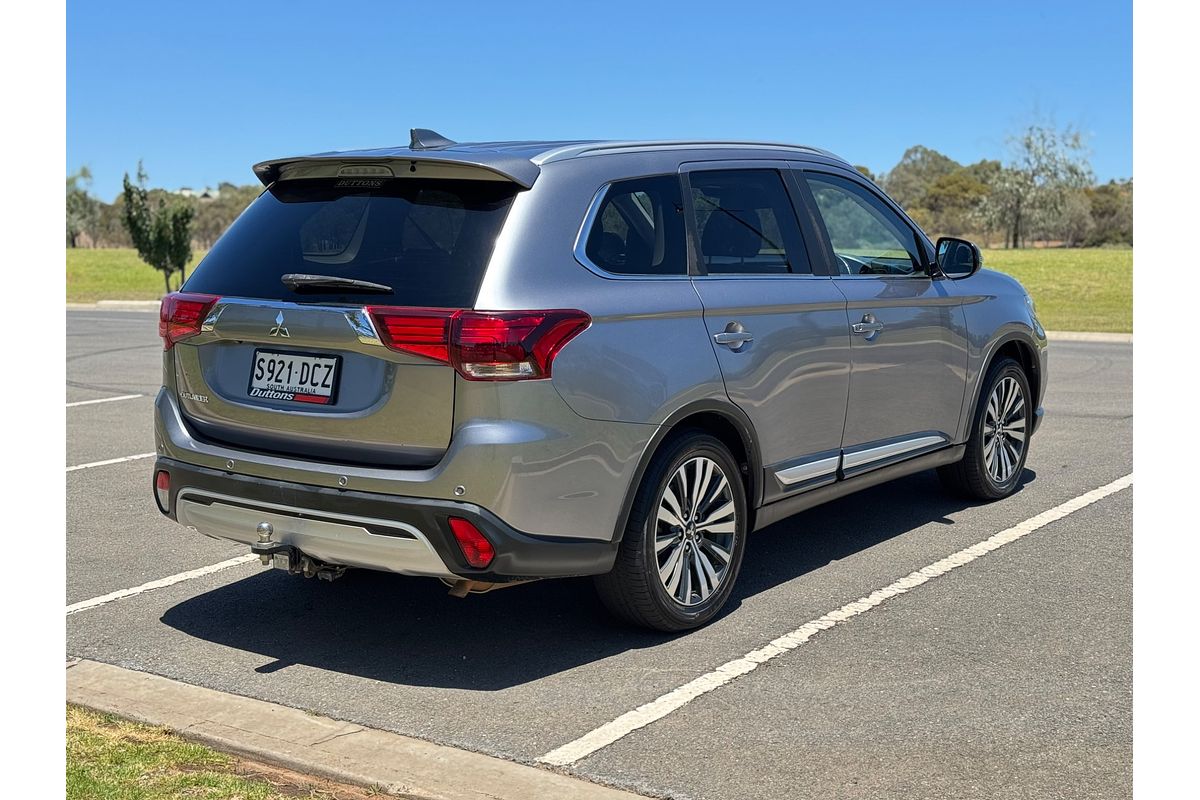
(725, 422)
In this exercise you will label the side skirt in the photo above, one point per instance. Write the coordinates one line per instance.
(782, 509)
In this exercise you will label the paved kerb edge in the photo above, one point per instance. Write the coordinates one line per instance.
(316, 745)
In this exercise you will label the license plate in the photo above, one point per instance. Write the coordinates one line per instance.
(296, 377)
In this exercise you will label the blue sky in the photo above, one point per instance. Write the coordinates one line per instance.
(200, 91)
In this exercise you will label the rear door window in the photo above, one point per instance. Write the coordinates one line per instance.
(638, 229)
(746, 224)
(429, 240)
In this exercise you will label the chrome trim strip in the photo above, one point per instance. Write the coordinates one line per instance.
(363, 326)
(806, 472)
(863, 457)
(298, 512)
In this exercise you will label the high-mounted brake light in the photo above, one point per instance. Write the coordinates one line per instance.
(181, 315)
(476, 549)
(482, 345)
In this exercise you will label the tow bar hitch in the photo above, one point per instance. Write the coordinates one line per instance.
(288, 558)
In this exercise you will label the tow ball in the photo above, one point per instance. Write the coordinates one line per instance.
(285, 557)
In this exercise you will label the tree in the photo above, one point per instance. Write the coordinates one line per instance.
(83, 210)
(161, 231)
(908, 182)
(1032, 191)
(953, 198)
(865, 172)
(1112, 213)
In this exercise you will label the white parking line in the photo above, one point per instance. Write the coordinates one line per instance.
(84, 605)
(108, 461)
(655, 710)
(104, 400)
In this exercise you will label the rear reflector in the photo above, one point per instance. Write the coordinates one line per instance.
(162, 490)
(181, 315)
(482, 345)
(476, 549)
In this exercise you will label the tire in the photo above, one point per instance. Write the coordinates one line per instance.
(634, 590)
(991, 467)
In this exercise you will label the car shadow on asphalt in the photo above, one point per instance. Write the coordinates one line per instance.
(408, 631)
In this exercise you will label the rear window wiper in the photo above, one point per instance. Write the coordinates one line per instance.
(300, 282)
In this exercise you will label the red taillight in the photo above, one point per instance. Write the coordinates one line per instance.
(181, 315)
(162, 489)
(482, 345)
(511, 345)
(421, 331)
(476, 549)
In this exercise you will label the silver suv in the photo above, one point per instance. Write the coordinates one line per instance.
(492, 363)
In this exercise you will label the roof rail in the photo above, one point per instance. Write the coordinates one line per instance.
(576, 150)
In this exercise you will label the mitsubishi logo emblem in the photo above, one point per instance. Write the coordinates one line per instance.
(279, 330)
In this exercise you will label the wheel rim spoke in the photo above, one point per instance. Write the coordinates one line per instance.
(716, 550)
(671, 503)
(685, 589)
(703, 587)
(668, 516)
(706, 567)
(703, 473)
(667, 570)
(716, 516)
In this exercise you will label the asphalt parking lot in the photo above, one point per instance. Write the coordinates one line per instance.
(1007, 677)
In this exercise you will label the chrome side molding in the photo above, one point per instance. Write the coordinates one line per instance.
(864, 457)
(808, 471)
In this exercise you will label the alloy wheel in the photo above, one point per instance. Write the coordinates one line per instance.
(1004, 430)
(695, 531)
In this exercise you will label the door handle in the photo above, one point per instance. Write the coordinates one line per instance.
(868, 327)
(734, 336)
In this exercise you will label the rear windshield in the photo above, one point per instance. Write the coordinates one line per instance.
(430, 240)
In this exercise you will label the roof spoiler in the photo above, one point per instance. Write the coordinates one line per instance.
(422, 164)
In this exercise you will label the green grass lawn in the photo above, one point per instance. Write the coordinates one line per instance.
(1075, 290)
(109, 758)
(1088, 289)
(113, 274)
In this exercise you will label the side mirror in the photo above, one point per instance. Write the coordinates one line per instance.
(957, 258)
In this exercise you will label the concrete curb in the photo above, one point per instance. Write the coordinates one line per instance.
(1088, 336)
(316, 745)
(118, 305)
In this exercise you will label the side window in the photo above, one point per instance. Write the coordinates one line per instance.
(639, 228)
(867, 236)
(746, 223)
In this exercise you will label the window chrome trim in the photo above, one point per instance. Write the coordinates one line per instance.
(808, 471)
(589, 219)
(873, 454)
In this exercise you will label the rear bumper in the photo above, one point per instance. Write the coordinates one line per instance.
(407, 535)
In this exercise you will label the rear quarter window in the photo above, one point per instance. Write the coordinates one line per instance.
(639, 228)
(429, 240)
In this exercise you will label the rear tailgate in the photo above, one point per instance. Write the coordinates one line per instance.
(303, 372)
